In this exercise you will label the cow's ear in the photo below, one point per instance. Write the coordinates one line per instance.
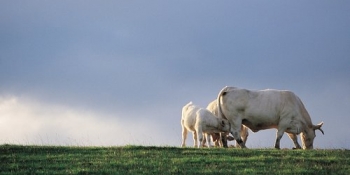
(230, 138)
(318, 127)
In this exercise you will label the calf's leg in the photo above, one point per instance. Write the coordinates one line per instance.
(200, 138)
(208, 140)
(223, 140)
(184, 136)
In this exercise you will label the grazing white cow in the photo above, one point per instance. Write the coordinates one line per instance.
(213, 108)
(199, 121)
(265, 109)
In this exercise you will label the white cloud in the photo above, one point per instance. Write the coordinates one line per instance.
(25, 121)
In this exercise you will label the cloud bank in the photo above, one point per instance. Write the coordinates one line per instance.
(28, 122)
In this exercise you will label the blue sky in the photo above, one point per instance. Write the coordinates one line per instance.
(119, 72)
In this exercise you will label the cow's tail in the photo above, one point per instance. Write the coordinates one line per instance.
(221, 93)
(184, 109)
(221, 115)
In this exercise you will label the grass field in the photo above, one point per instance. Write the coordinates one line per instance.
(15, 159)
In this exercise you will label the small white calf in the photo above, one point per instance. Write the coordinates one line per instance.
(199, 121)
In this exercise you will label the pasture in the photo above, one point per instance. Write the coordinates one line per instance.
(16, 159)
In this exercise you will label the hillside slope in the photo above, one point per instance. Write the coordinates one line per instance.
(16, 159)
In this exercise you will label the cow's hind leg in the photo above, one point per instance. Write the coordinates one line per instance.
(184, 136)
(195, 140)
(207, 136)
(294, 138)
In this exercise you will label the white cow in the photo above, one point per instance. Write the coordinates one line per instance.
(213, 108)
(199, 121)
(265, 109)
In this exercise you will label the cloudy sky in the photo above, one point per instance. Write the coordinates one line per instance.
(116, 73)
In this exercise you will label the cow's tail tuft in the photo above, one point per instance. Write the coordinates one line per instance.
(221, 93)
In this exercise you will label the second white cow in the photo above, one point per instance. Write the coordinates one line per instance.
(200, 121)
(213, 108)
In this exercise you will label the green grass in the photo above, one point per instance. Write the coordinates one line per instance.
(15, 159)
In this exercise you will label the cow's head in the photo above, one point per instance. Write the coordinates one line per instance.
(308, 136)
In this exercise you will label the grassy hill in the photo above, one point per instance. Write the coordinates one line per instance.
(15, 159)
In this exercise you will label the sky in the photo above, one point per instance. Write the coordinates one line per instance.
(114, 73)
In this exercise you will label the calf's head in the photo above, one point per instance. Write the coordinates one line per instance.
(224, 125)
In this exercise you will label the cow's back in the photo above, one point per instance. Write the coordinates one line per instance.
(263, 109)
(210, 123)
(205, 116)
(189, 116)
(256, 109)
(264, 103)
(213, 107)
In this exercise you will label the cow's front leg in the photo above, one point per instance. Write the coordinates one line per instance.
(294, 138)
(236, 133)
(278, 138)
(244, 134)
(239, 141)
